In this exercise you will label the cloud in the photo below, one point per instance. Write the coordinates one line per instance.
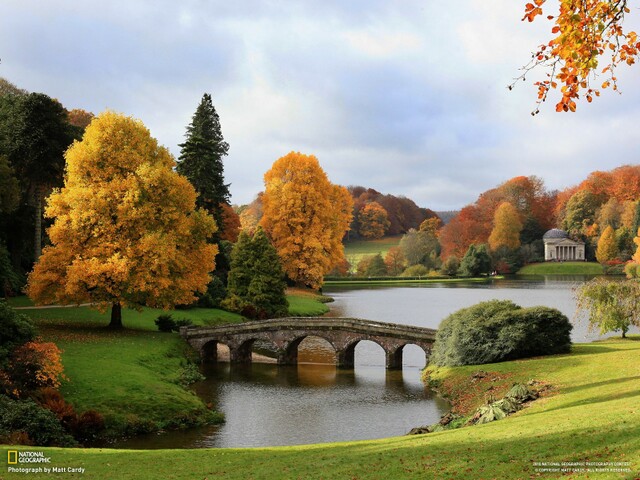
(405, 97)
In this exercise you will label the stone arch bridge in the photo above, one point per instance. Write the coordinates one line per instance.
(285, 335)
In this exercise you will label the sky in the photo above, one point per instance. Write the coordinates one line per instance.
(407, 97)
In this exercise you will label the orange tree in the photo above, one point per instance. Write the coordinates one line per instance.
(125, 231)
(305, 216)
(589, 38)
(374, 220)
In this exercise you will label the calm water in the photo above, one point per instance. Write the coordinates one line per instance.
(267, 405)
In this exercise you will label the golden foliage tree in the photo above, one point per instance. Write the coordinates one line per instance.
(506, 227)
(588, 39)
(636, 240)
(125, 231)
(607, 249)
(374, 220)
(305, 216)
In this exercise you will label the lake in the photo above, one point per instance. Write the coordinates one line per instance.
(313, 402)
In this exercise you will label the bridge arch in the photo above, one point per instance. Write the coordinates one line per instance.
(396, 354)
(290, 354)
(347, 355)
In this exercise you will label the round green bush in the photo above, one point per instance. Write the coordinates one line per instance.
(500, 330)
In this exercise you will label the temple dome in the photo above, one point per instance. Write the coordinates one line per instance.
(555, 233)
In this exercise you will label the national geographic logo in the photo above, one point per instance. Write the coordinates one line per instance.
(13, 457)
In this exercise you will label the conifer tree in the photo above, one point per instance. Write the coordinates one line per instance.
(201, 159)
(256, 285)
(267, 288)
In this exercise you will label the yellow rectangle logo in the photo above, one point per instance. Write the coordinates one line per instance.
(12, 457)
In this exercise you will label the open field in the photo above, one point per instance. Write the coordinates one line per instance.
(562, 268)
(356, 249)
(591, 415)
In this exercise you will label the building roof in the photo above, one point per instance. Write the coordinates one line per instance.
(555, 233)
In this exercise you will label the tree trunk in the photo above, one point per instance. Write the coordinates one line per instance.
(116, 316)
(37, 244)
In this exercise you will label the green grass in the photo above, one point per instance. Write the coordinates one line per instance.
(129, 376)
(21, 301)
(306, 304)
(562, 268)
(356, 249)
(593, 414)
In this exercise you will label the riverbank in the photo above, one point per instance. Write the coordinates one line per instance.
(406, 281)
(562, 268)
(591, 416)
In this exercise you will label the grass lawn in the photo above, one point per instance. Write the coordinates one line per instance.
(591, 415)
(130, 376)
(306, 303)
(356, 249)
(562, 268)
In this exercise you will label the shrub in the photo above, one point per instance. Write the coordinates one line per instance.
(24, 417)
(499, 330)
(88, 426)
(32, 366)
(16, 330)
(166, 323)
(415, 271)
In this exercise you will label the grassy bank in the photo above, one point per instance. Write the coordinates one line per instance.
(306, 303)
(402, 281)
(562, 268)
(132, 377)
(592, 415)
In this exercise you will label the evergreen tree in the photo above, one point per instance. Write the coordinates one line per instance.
(201, 159)
(476, 261)
(267, 288)
(256, 285)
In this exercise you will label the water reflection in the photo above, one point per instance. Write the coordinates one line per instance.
(268, 405)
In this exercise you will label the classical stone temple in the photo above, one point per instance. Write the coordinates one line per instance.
(559, 247)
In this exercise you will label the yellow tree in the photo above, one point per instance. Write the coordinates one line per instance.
(374, 220)
(125, 231)
(506, 227)
(607, 249)
(588, 38)
(636, 240)
(306, 217)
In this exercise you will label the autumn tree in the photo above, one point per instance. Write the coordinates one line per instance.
(201, 157)
(80, 118)
(588, 40)
(611, 304)
(305, 216)
(373, 220)
(607, 246)
(126, 231)
(395, 261)
(636, 240)
(230, 222)
(506, 228)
